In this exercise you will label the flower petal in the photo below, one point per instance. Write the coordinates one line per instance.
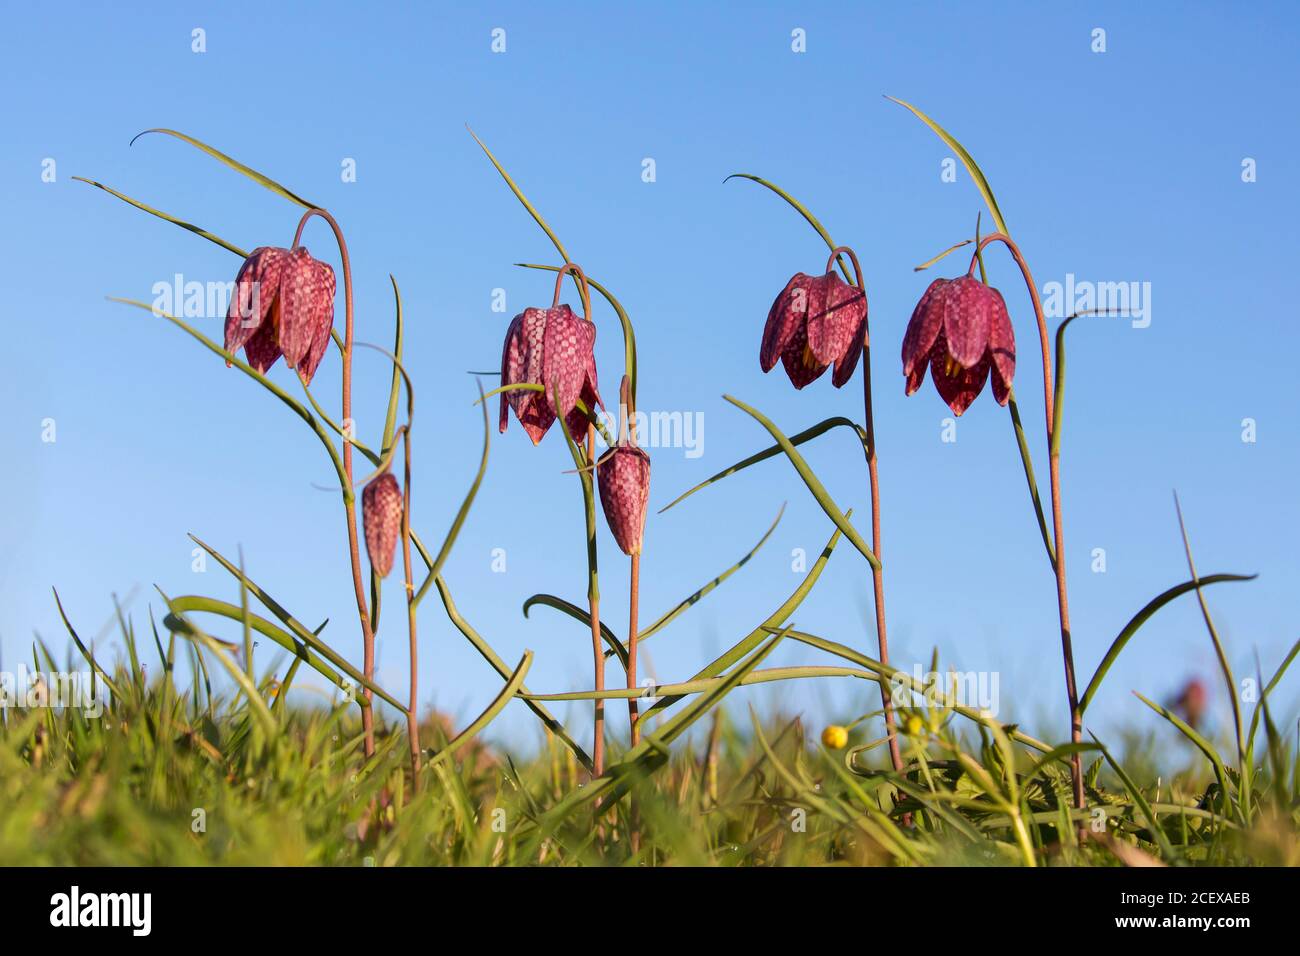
(960, 388)
(299, 303)
(262, 350)
(967, 308)
(567, 349)
(783, 318)
(322, 321)
(256, 287)
(1002, 349)
(923, 328)
(835, 312)
(800, 363)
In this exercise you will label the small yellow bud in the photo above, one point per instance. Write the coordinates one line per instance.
(835, 737)
(914, 726)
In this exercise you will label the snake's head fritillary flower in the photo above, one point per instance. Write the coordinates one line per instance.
(1191, 702)
(283, 304)
(835, 737)
(381, 517)
(552, 348)
(961, 332)
(624, 479)
(814, 322)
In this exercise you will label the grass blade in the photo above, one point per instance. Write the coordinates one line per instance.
(236, 165)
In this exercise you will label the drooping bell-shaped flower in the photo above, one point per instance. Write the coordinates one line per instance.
(283, 304)
(552, 348)
(960, 331)
(623, 475)
(381, 517)
(814, 322)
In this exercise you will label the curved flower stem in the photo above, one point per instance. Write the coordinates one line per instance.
(1054, 479)
(877, 570)
(412, 718)
(349, 495)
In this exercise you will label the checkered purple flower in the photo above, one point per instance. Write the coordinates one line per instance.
(552, 348)
(283, 304)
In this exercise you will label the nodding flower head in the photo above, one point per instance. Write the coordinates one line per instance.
(623, 475)
(283, 304)
(960, 331)
(552, 348)
(814, 322)
(381, 517)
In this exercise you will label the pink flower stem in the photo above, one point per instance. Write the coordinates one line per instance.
(877, 571)
(349, 495)
(1054, 471)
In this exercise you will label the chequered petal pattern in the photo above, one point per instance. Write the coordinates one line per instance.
(256, 286)
(923, 329)
(553, 348)
(814, 322)
(784, 318)
(381, 518)
(960, 332)
(283, 304)
(1002, 349)
(624, 479)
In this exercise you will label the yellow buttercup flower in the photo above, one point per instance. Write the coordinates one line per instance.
(835, 737)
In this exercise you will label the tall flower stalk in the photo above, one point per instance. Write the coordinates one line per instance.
(349, 493)
(817, 321)
(1052, 424)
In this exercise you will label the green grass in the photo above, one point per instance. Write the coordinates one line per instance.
(194, 776)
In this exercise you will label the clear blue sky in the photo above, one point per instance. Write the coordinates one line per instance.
(1120, 166)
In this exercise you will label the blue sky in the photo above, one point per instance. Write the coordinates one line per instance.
(1117, 166)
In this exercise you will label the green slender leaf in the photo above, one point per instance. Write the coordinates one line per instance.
(463, 512)
(893, 674)
(756, 637)
(190, 630)
(686, 688)
(234, 164)
(197, 230)
(299, 631)
(1277, 676)
(276, 390)
(568, 607)
(1153, 821)
(190, 603)
(976, 174)
(90, 657)
(803, 211)
(808, 434)
(498, 665)
(814, 485)
(498, 704)
(1142, 616)
(1203, 745)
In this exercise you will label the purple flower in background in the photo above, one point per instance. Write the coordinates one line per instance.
(961, 331)
(283, 304)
